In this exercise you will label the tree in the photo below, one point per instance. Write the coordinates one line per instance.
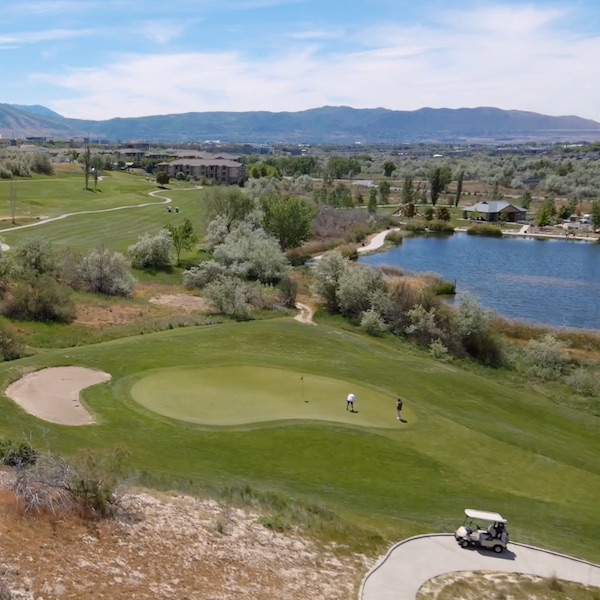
(596, 213)
(372, 204)
(439, 178)
(526, 199)
(543, 216)
(496, 193)
(443, 214)
(327, 274)
(97, 163)
(162, 178)
(459, 186)
(230, 203)
(288, 219)
(388, 168)
(384, 192)
(249, 252)
(12, 202)
(87, 166)
(183, 237)
(409, 193)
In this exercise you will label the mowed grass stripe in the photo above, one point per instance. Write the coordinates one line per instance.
(117, 229)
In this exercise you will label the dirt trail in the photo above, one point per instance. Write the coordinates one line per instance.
(305, 315)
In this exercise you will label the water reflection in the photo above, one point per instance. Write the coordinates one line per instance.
(555, 282)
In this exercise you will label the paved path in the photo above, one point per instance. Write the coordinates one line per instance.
(376, 241)
(305, 315)
(409, 564)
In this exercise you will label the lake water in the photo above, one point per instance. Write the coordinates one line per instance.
(547, 281)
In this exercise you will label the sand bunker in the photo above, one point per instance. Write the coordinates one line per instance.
(53, 394)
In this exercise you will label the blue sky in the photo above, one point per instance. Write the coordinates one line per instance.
(100, 59)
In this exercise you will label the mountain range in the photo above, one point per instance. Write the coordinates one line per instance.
(328, 124)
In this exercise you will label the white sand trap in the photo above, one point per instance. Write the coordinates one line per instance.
(53, 394)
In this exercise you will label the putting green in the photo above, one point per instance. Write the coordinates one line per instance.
(238, 395)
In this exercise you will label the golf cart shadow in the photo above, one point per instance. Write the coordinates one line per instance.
(506, 554)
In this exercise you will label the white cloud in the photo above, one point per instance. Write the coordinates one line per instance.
(50, 35)
(162, 31)
(469, 60)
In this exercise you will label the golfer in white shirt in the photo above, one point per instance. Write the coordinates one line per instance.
(350, 402)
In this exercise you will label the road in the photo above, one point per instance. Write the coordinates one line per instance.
(409, 564)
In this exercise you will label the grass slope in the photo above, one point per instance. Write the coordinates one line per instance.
(116, 230)
(473, 442)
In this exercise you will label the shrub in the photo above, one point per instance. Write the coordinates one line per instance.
(275, 523)
(543, 358)
(349, 251)
(298, 256)
(438, 350)
(104, 271)
(355, 288)
(416, 227)
(584, 381)
(487, 230)
(17, 455)
(88, 486)
(440, 227)
(327, 274)
(444, 288)
(372, 323)
(229, 296)
(203, 274)
(289, 290)
(249, 252)
(41, 299)
(10, 347)
(8, 269)
(442, 213)
(394, 237)
(151, 252)
(423, 326)
(38, 255)
(474, 328)
(180, 176)
(40, 163)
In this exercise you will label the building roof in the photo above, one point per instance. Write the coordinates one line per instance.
(492, 206)
(207, 162)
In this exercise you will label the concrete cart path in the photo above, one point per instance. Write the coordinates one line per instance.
(376, 241)
(409, 564)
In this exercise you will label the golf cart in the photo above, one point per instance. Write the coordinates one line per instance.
(492, 535)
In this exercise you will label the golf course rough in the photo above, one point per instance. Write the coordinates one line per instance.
(237, 395)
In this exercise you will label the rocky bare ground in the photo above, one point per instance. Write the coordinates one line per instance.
(171, 546)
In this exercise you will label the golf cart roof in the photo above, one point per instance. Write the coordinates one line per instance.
(484, 515)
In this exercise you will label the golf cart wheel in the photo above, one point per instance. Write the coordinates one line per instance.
(498, 548)
(464, 544)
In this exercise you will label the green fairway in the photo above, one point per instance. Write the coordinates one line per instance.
(238, 395)
(472, 440)
(115, 229)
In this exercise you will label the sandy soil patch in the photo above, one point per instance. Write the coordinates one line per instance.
(305, 315)
(178, 547)
(183, 301)
(53, 394)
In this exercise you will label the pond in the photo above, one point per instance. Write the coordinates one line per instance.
(554, 282)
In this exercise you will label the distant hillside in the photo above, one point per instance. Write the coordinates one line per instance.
(329, 124)
(37, 109)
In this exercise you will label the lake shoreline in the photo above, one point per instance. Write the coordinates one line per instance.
(555, 285)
